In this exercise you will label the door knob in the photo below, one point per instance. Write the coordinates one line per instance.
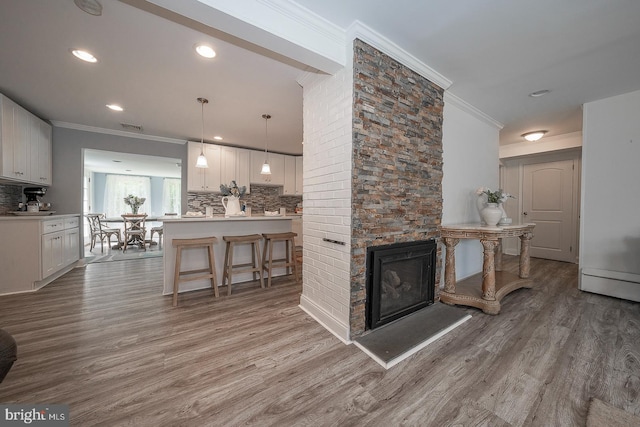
(524, 213)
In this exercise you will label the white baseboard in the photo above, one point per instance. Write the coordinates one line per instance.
(611, 283)
(330, 323)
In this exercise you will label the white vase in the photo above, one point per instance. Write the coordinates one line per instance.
(491, 214)
(231, 205)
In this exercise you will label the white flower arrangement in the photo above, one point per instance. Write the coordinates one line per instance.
(497, 196)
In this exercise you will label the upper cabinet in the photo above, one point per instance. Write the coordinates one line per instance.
(234, 166)
(243, 166)
(276, 162)
(25, 145)
(289, 188)
(298, 175)
(203, 179)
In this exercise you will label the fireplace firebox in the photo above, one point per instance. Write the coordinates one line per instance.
(400, 280)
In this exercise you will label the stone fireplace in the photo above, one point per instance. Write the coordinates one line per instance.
(396, 178)
(373, 177)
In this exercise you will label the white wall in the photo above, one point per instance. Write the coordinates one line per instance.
(328, 107)
(470, 154)
(610, 225)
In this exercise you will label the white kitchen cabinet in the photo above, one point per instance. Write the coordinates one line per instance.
(289, 188)
(299, 175)
(71, 240)
(41, 250)
(25, 145)
(243, 171)
(276, 162)
(40, 170)
(203, 180)
(53, 255)
(228, 165)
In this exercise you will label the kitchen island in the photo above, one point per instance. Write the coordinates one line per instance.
(187, 227)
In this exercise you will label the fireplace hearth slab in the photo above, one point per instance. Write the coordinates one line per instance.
(394, 342)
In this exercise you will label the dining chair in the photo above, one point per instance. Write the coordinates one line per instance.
(135, 231)
(100, 231)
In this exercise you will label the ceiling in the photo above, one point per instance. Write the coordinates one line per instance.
(496, 52)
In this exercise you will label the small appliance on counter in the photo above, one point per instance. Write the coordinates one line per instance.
(34, 206)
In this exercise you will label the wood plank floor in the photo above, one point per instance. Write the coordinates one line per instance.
(103, 340)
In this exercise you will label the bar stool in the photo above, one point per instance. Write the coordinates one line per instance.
(202, 242)
(255, 266)
(268, 263)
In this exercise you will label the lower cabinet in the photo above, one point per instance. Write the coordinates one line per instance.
(40, 251)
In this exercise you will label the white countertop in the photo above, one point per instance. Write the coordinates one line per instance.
(42, 216)
(185, 218)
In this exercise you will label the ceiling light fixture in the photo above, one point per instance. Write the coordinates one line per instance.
(534, 136)
(84, 55)
(92, 7)
(217, 138)
(202, 160)
(205, 51)
(115, 107)
(266, 169)
(539, 93)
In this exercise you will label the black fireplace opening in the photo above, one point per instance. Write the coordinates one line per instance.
(400, 280)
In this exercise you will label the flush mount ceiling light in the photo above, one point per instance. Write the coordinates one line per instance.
(202, 160)
(217, 138)
(539, 93)
(92, 7)
(205, 51)
(84, 55)
(115, 107)
(266, 169)
(534, 136)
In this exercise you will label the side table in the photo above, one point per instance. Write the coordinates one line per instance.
(485, 290)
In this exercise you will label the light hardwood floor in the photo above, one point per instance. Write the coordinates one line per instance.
(103, 340)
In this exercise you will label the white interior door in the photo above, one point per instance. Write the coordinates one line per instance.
(548, 191)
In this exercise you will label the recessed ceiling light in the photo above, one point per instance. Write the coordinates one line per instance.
(219, 138)
(534, 136)
(84, 55)
(205, 51)
(115, 107)
(539, 93)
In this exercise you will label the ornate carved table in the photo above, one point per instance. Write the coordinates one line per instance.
(486, 289)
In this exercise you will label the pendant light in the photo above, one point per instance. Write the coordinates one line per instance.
(266, 169)
(202, 160)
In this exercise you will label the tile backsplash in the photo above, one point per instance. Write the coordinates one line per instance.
(10, 196)
(262, 198)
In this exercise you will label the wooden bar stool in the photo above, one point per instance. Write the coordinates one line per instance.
(202, 242)
(268, 263)
(255, 266)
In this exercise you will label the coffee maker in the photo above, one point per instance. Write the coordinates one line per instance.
(33, 197)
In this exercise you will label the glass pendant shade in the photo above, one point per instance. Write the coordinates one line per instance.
(201, 162)
(266, 169)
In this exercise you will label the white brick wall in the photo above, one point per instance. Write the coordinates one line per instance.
(327, 116)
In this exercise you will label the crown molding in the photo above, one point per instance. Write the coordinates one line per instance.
(359, 30)
(465, 106)
(93, 129)
(278, 21)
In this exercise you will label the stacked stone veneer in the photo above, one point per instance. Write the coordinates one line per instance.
(396, 178)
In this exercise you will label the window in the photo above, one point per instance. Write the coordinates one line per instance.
(118, 187)
(171, 194)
